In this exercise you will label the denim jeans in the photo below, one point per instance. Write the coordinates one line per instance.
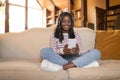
(79, 61)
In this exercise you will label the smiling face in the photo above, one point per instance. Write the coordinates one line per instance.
(66, 24)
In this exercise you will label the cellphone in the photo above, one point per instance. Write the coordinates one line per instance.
(71, 43)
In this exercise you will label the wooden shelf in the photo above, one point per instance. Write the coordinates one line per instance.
(76, 10)
(77, 16)
(54, 8)
(57, 15)
(57, 10)
(48, 17)
(112, 15)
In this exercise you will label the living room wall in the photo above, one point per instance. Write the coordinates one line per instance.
(91, 12)
(114, 2)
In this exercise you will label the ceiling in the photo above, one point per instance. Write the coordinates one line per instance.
(51, 3)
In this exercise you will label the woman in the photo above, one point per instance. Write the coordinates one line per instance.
(60, 56)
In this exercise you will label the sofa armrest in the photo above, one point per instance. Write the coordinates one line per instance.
(108, 42)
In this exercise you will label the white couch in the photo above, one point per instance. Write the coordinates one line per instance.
(19, 58)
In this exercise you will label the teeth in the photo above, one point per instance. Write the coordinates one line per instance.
(66, 26)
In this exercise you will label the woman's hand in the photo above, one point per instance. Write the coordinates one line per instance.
(66, 50)
(75, 50)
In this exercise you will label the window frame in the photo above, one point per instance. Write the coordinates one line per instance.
(7, 13)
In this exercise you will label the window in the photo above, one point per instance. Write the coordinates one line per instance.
(16, 18)
(34, 14)
(17, 15)
(34, 18)
(2, 17)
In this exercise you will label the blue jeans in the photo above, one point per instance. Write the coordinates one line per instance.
(79, 61)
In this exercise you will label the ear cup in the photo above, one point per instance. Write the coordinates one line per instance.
(59, 20)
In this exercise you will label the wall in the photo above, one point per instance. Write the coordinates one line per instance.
(91, 12)
(114, 2)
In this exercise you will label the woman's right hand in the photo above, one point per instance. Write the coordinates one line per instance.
(66, 50)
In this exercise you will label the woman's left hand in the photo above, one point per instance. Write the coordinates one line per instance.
(75, 50)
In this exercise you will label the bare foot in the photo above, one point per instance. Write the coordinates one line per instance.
(69, 65)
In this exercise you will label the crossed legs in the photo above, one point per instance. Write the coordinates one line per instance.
(80, 61)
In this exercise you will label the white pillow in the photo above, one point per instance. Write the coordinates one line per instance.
(87, 38)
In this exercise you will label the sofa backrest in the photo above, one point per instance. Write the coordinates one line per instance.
(27, 44)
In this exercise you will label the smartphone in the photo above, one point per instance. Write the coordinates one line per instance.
(71, 43)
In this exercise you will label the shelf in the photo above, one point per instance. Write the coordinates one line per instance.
(56, 14)
(48, 17)
(77, 16)
(52, 13)
(110, 26)
(49, 13)
(110, 20)
(57, 10)
(49, 24)
(76, 10)
(112, 15)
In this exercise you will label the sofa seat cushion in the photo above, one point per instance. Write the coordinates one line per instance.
(19, 65)
(109, 70)
(27, 70)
